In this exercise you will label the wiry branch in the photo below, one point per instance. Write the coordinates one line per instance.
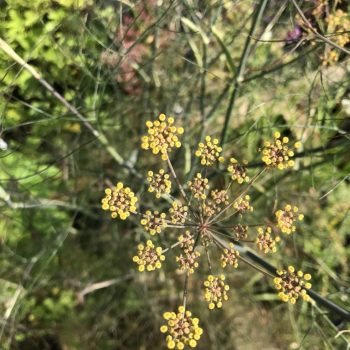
(270, 270)
(315, 32)
(99, 136)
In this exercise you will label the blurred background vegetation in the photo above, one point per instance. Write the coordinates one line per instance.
(66, 276)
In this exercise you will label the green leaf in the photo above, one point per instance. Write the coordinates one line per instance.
(225, 49)
(189, 24)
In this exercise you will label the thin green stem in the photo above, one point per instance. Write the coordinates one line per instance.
(184, 302)
(208, 258)
(239, 76)
(177, 180)
(171, 247)
(229, 236)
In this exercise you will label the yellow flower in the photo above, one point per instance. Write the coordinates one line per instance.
(287, 217)
(188, 260)
(217, 201)
(292, 284)
(215, 291)
(159, 183)
(182, 329)
(238, 171)
(278, 154)
(338, 22)
(120, 201)
(162, 136)
(219, 197)
(242, 204)
(153, 222)
(240, 231)
(265, 242)
(198, 186)
(186, 241)
(209, 152)
(178, 212)
(148, 257)
(230, 257)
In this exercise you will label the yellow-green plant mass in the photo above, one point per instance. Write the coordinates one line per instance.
(199, 213)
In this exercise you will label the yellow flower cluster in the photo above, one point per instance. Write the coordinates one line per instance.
(330, 57)
(148, 257)
(230, 257)
(240, 231)
(265, 242)
(206, 238)
(319, 8)
(183, 329)
(202, 218)
(186, 241)
(208, 209)
(292, 285)
(278, 154)
(188, 260)
(153, 222)
(215, 291)
(238, 171)
(287, 217)
(338, 22)
(162, 136)
(209, 152)
(242, 204)
(178, 212)
(159, 183)
(218, 199)
(198, 186)
(120, 201)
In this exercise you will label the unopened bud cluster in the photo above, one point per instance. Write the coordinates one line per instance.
(240, 231)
